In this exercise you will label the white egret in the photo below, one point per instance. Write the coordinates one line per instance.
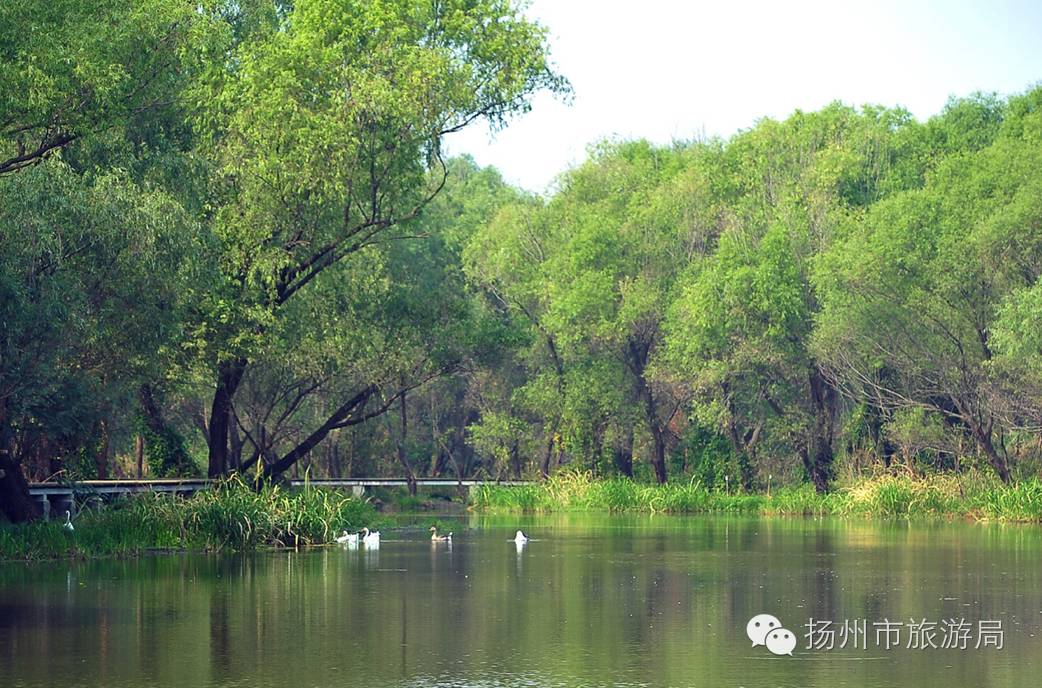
(67, 526)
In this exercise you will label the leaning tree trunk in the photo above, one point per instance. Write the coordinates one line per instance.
(982, 433)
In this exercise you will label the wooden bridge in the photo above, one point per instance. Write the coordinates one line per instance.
(58, 497)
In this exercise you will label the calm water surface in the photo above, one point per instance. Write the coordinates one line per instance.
(592, 601)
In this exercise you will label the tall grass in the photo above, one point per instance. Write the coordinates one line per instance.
(969, 495)
(231, 516)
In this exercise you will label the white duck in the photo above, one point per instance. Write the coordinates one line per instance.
(348, 538)
(440, 538)
(67, 526)
(370, 539)
(520, 538)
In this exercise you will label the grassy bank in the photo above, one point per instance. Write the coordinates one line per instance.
(232, 516)
(970, 495)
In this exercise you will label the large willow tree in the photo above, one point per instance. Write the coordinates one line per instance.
(326, 136)
(94, 259)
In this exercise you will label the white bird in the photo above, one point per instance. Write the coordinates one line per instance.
(67, 526)
(521, 538)
(440, 538)
(348, 538)
(370, 539)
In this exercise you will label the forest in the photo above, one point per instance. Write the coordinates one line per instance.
(231, 242)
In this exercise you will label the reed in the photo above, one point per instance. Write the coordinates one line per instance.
(970, 495)
(230, 516)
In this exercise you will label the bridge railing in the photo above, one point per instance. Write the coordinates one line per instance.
(62, 496)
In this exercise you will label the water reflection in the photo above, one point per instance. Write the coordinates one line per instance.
(592, 601)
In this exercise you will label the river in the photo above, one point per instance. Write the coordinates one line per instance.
(592, 600)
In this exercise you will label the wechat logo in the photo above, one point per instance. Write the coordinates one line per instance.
(764, 629)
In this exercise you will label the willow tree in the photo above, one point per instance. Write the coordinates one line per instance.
(369, 332)
(91, 257)
(914, 293)
(740, 330)
(91, 276)
(70, 69)
(590, 272)
(327, 137)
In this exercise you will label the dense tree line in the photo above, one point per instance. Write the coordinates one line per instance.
(208, 211)
(230, 242)
(848, 287)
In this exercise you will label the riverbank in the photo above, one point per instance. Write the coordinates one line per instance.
(232, 516)
(970, 495)
(236, 517)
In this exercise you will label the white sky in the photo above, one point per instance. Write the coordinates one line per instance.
(665, 70)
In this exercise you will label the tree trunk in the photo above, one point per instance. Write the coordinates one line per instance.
(636, 357)
(16, 504)
(139, 455)
(818, 455)
(515, 459)
(229, 375)
(333, 458)
(342, 417)
(658, 459)
(551, 445)
(403, 457)
(624, 455)
(236, 442)
(982, 433)
(101, 458)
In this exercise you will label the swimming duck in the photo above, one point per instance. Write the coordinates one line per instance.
(521, 538)
(348, 538)
(370, 539)
(440, 538)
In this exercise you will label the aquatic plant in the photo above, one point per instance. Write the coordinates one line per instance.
(972, 494)
(231, 516)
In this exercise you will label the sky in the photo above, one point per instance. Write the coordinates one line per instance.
(675, 70)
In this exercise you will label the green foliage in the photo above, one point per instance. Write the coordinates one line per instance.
(912, 293)
(72, 69)
(245, 206)
(708, 457)
(967, 496)
(230, 516)
(96, 277)
(167, 453)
